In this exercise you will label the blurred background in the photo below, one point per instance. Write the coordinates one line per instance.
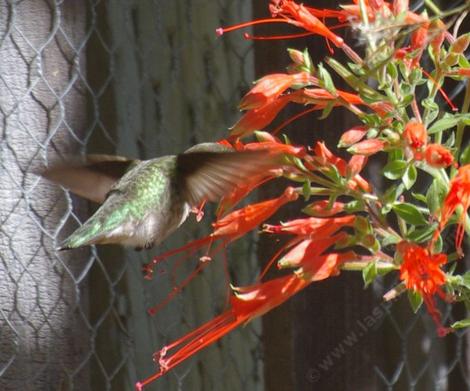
(144, 79)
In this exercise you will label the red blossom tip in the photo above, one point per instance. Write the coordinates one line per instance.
(219, 31)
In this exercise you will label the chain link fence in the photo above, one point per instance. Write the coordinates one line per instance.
(143, 79)
(137, 78)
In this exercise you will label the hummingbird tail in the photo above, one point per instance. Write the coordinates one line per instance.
(86, 235)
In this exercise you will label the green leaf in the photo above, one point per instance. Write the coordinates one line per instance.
(415, 76)
(465, 156)
(354, 206)
(406, 100)
(466, 280)
(327, 110)
(393, 193)
(415, 300)
(438, 245)
(390, 239)
(409, 178)
(392, 70)
(450, 141)
(369, 273)
(461, 324)
(325, 80)
(448, 122)
(409, 213)
(421, 235)
(395, 169)
(306, 190)
(419, 197)
(308, 60)
(353, 81)
(435, 195)
(432, 110)
(332, 172)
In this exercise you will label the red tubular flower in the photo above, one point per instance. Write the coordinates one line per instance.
(422, 273)
(325, 156)
(438, 156)
(325, 266)
(415, 135)
(241, 191)
(367, 147)
(311, 226)
(356, 164)
(458, 195)
(307, 250)
(259, 118)
(239, 222)
(324, 209)
(299, 16)
(352, 136)
(320, 95)
(246, 304)
(270, 87)
(276, 148)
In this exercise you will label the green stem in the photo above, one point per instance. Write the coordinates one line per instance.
(360, 265)
(461, 125)
(433, 7)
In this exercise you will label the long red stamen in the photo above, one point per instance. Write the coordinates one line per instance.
(274, 37)
(179, 287)
(442, 92)
(222, 30)
(292, 119)
(276, 256)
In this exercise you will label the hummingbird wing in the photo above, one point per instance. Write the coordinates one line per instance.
(211, 175)
(92, 179)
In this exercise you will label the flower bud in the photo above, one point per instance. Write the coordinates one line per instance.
(352, 136)
(323, 208)
(415, 134)
(460, 44)
(367, 147)
(438, 156)
(296, 56)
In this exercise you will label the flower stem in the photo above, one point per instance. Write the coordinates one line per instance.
(433, 7)
(461, 125)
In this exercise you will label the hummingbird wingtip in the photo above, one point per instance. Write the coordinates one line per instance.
(63, 247)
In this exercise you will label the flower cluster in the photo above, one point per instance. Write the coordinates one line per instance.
(344, 223)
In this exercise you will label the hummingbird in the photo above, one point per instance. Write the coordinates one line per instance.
(144, 201)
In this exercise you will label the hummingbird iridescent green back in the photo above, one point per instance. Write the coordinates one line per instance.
(144, 201)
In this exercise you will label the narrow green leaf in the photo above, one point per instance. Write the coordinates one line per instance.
(369, 273)
(306, 192)
(392, 70)
(421, 235)
(409, 213)
(465, 157)
(461, 324)
(435, 195)
(415, 300)
(448, 122)
(409, 178)
(390, 239)
(391, 195)
(327, 110)
(466, 280)
(325, 80)
(395, 169)
(353, 81)
(419, 197)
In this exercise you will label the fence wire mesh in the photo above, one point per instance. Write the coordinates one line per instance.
(142, 79)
